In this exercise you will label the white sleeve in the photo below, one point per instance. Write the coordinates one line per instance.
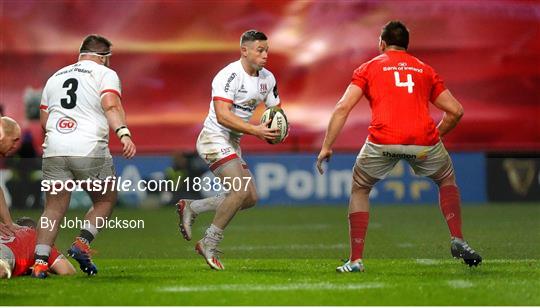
(44, 105)
(224, 86)
(272, 98)
(110, 83)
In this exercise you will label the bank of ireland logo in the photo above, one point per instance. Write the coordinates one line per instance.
(66, 125)
(263, 88)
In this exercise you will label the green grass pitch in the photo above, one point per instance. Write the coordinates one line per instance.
(287, 256)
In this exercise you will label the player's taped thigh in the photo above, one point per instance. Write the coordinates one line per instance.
(362, 180)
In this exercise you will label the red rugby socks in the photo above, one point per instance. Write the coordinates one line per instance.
(449, 201)
(358, 223)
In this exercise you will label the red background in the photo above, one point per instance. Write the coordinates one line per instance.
(167, 52)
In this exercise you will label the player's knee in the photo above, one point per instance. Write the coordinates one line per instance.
(360, 187)
(239, 198)
(448, 181)
(444, 177)
(250, 200)
(52, 213)
(362, 182)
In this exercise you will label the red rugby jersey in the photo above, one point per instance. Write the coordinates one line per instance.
(22, 245)
(399, 88)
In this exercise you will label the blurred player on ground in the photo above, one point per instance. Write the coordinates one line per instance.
(399, 88)
(236, 91)
(80, 103)
(17, 252)
(10, 133)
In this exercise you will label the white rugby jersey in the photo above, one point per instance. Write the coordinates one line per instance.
(233, 85)
(77, 125)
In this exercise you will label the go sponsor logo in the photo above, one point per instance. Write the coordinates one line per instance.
(66, 125)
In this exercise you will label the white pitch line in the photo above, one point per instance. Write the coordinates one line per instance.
(283, 287)
(488, 261)
(460, 284)
(277, 227)
(283, 247)
(428, 261)
(509, 260)
(405, 245)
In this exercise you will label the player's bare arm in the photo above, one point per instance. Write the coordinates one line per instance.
(453, 112)
(226, 118)
(5, 217)
(117, 121)
(341, 112)
(7, 228)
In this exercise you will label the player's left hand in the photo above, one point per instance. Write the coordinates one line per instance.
(129, 147)
(8, 229)
(324, 155)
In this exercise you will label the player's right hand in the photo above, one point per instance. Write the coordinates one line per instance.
(129, 147)
(324, 155)
(264, 133)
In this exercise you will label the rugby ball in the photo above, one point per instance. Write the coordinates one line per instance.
(279, 121)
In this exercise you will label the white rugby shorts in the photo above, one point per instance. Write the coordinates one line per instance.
(216, 149)
(377, 160)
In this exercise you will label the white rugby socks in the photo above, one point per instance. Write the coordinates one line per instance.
(213, 235)
(208, 204)
(42, 250)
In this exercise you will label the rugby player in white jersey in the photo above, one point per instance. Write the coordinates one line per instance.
(236, 91)
(79, 104)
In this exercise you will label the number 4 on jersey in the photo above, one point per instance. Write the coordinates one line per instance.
(409, 84)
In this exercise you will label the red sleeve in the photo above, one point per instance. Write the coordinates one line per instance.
(438, 86)
(53, 256)
(223, 99)
(359, 77)
(112, 91)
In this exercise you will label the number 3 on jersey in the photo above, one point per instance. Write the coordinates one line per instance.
(409, 84)
(71, 84)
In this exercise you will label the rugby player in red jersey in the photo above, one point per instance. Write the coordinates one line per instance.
(399, 88)
(17, 253)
